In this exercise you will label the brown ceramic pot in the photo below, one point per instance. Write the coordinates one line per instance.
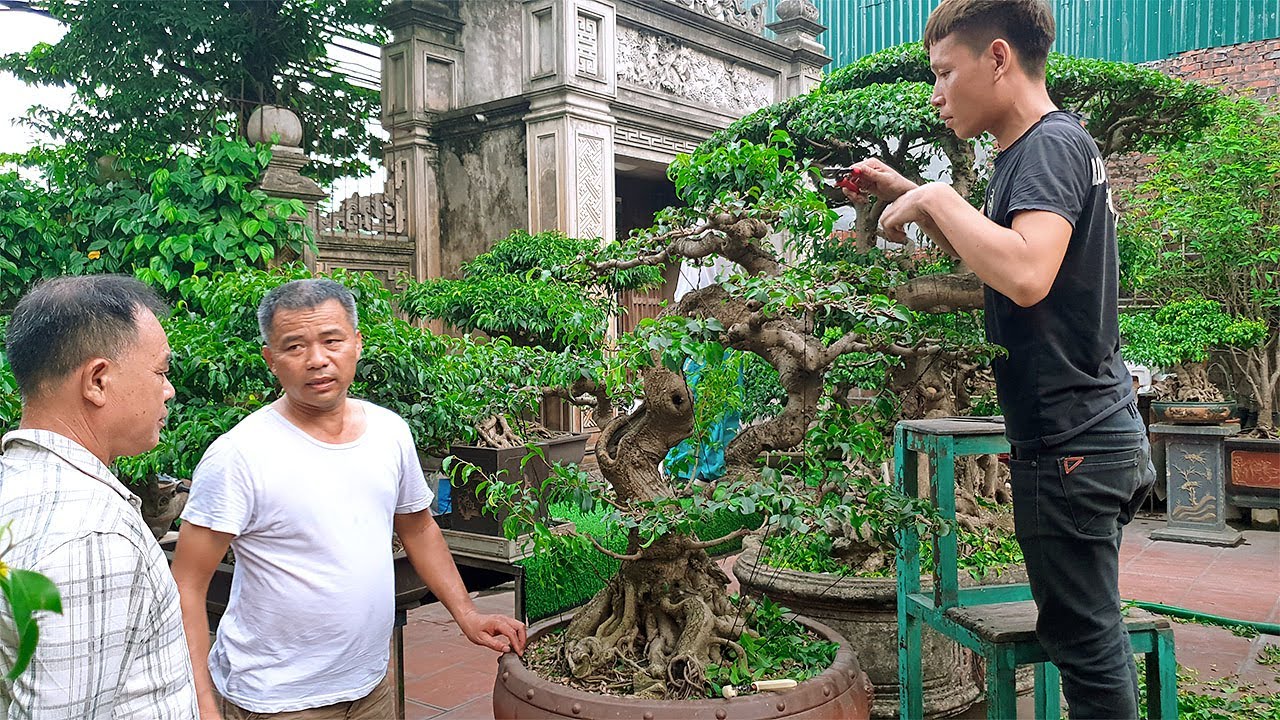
(842, 692)
(1192, 413)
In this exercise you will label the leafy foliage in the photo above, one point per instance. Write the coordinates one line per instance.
(1185, 331)
(779, 648)
(524, 289)
(1206, 225)
(150, 76)
(166, 221)
(26, 592)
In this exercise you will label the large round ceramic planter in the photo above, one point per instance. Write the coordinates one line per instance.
(865, 611)
(842, 692)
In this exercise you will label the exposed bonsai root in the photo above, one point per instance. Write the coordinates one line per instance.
(1189, 383)
(657, 625)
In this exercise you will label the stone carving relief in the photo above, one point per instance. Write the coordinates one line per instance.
(588, 41)
(590, 186)
(646, 140)
(656, 62)
(732, 12)
(377, 214)
(1195, 503)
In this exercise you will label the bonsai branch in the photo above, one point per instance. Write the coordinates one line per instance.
(704, 544)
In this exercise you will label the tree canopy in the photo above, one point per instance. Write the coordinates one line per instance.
(150, 75)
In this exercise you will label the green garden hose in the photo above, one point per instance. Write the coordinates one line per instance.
(1178, 612)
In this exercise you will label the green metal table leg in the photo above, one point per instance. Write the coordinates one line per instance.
(1162, 678)
(1048, 694)
(1002, 693)
(910, 669)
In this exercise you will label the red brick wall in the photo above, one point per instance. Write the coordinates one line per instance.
(1254, 65)
(1246, 67)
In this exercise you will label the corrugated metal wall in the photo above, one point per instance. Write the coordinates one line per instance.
(1127, 30)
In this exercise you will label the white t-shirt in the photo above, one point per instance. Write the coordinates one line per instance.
(312, 601)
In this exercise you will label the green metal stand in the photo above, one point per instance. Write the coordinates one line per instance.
(995, 621)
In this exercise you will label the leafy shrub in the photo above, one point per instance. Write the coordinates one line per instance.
(524, 289)
(163, 221)
(1185, 331)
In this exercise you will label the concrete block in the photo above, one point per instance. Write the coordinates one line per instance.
(1265, 518)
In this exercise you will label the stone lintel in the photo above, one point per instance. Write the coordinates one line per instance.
(797, 26)
(475, 119)
(432, 14)
(1201, 430)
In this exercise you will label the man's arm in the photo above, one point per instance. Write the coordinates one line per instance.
(95, 576)
(1020, 262)
(194, 561)
(429, 554)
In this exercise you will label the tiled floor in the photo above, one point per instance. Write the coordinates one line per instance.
(447, 677)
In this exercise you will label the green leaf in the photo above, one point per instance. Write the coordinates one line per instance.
(27, 593)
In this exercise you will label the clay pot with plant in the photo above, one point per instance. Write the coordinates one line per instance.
(1181, 336)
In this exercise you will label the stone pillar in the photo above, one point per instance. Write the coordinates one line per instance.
(281, 128)
(1195, 479)
(569, 77)
(798, 28)
(421, 78)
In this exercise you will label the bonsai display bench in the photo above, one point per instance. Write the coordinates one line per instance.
(1195, 483)
(995, 621)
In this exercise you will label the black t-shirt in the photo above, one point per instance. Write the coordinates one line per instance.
(1064, 372)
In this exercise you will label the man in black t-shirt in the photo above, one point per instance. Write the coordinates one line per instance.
(1046, 250)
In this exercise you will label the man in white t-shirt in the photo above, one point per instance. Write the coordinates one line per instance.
(307, 491)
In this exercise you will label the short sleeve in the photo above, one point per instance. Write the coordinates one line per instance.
(222, 492)
(413, 495)
(1055, 173)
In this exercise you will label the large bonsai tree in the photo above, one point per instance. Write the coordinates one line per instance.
(753, 197)
(1206, 225)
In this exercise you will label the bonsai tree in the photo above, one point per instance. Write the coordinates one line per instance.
(1206, 225)
(528, 291)
(1180, 336)
(665, 620)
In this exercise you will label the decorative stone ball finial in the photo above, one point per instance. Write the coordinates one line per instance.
(269, 120)
(789, 9)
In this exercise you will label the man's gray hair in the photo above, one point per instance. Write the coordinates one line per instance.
(303, 295)
(63, 322)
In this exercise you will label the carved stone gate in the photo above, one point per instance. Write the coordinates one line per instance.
(553, 114)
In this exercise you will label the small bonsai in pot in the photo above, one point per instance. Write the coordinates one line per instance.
(1180, 336)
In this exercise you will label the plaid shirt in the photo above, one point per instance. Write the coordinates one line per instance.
(117, 650)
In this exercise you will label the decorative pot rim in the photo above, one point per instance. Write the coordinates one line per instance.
(883, 589)
(836, 679)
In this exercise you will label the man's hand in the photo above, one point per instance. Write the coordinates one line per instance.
(914, 206)
(873, 177)
(490, 631)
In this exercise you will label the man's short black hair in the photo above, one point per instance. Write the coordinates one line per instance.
(304, 295)
(1027, 25)
(63, 322)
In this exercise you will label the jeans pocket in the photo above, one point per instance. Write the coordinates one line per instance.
(1098, 488)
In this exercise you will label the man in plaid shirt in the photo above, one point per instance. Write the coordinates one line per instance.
(92, 363)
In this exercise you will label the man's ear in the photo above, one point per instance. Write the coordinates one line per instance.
(266, 355)
(359, 345)
(1002, 57)
(94, 376)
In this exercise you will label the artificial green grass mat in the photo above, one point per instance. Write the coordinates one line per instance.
(562, 578)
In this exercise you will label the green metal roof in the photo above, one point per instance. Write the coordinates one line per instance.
(1126, 30)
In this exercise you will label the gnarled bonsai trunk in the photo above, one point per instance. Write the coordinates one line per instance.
(666, 614)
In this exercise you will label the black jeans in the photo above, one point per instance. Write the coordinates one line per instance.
(1070, 503)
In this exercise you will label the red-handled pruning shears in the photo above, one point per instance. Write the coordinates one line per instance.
(852, 181)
